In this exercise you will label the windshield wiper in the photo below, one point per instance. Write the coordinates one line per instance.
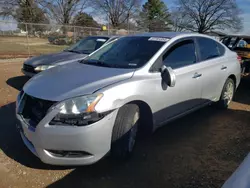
(95, 62)
(74, 51)
(103, 64)
(85, 52)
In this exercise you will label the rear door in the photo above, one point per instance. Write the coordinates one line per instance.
(214, 66)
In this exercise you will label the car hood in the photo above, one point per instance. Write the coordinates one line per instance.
(71, 80)
(56, 58)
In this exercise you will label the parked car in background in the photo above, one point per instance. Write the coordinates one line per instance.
(76, 113)
(73, 53)
(241, 45)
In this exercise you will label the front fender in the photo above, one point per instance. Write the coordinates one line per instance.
(119, 95)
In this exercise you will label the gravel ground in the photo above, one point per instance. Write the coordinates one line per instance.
(200, 150)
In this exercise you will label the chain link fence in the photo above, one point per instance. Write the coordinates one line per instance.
(30, 39)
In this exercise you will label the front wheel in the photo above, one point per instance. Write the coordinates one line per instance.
(125, 131)
(227, 94)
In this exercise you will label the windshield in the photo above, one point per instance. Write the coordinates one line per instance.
(127, 52)
(87, 45)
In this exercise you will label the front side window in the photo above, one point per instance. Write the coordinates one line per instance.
(126, 52)
(87, 45)
(208, 48)
(180, 55)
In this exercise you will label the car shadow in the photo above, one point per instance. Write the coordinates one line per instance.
(11, 143)
(17, 82)
(243, 92)
(10, 140)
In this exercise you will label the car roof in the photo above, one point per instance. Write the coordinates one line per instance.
(165, 34)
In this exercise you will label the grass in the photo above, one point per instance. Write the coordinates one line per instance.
(20, 46)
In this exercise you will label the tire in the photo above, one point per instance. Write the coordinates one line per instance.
(125, 131)
(227, 94)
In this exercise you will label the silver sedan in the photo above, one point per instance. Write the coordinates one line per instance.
(76, 114)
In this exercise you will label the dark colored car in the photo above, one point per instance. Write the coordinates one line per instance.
(73, 53)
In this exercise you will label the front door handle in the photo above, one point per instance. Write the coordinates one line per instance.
(197, 75)
(223, 67)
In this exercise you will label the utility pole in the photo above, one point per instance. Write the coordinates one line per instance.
(108, 25)
(128, 23)
(27, 38)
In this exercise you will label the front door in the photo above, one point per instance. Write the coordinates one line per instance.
(186, 93)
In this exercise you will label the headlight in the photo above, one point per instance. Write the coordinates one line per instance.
(43, 67)
(78, 111)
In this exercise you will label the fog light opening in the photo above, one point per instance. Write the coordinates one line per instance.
(73, 154)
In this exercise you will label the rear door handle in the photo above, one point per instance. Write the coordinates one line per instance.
(223, 67)
(197, 75)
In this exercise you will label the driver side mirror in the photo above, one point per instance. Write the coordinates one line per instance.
(168, 76)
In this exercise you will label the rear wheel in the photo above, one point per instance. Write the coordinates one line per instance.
(125, 131)
(227, 94)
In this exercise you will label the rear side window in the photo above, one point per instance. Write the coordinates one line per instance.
(221, 49)
(180, 55)
(208, 48)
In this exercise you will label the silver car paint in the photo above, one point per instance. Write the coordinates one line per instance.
(241, 176)
(146, 86)
(119, 87)
(94, 139)
(71, 80)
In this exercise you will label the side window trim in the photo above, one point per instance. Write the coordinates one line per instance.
(197, 51)
(155, 67)
(111, 39)
(221, 46)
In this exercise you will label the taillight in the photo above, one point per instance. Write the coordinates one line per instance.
(239, 59)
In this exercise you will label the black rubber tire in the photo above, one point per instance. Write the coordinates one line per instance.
(222, 103)
(124, 130)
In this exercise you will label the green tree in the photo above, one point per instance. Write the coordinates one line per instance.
(154, 16)
(85, 20)
(29, 12)
(24, 11)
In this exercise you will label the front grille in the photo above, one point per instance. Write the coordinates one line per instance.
(34, 109)
(28, 68)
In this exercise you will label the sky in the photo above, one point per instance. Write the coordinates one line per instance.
(244, 5)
